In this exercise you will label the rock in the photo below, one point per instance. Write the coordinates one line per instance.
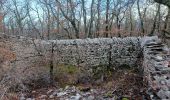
(165, 88)
(43, 97)
(159, 58)
(73, 89)
(67, 87)
(165, 76)
(54, 93)
(90, 98)
(30, 99)
(33, 91)
(161, 94)
(151, 96)
(51, 96)
(61, 94)
(77, 97)
(168, 83)
(93, 91)
(22, 98)
(167, 93)
(86, 94)
(163, 82)
(50, 91)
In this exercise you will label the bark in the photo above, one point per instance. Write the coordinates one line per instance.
(131, 22)
(98, 18)
(84, 16)
(91, 20)
(107, 19)
(140, 17)
(155, 21)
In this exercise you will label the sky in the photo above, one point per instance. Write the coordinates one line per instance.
(150, 11)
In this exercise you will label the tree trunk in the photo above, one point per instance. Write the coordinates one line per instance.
(91, 20)
(107, 19)
(84, 17)
(155, 21)
(140, 17)
(98, 18)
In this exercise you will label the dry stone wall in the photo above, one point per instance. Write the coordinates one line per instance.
(157, 69)
(33, 55)
(93, 52)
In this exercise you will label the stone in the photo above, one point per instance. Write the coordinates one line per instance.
(51, 96)
(30, 99)
(61, 94)
(85, 94)
(67, 87)
(49, 91)
(91, 98)
(164, 88)
(168, 82)
(167, 93)
(151, 96)
(54, 93)
(43, 97)
(77, 97)
(158, 58)
(33, 91)
(22, 98)
(161, 94)
(163, 82)
(165, 76)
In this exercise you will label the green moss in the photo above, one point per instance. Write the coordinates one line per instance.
(108, 94)
(101, 70)
(66, 74)
(125, 98)
(67, 69)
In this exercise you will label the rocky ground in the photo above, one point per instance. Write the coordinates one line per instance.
(125, 85)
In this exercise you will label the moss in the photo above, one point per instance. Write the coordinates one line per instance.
(125, 98)
(100, 71)
(68, 69)
(108, 94)
(66, 74)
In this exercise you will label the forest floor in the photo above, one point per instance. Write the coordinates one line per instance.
(122, 85)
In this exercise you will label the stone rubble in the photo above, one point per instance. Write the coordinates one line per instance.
(71, 93)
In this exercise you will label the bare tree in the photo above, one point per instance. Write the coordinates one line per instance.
(20, 15)
(72, 18)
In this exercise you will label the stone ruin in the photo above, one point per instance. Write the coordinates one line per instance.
(99, 51)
